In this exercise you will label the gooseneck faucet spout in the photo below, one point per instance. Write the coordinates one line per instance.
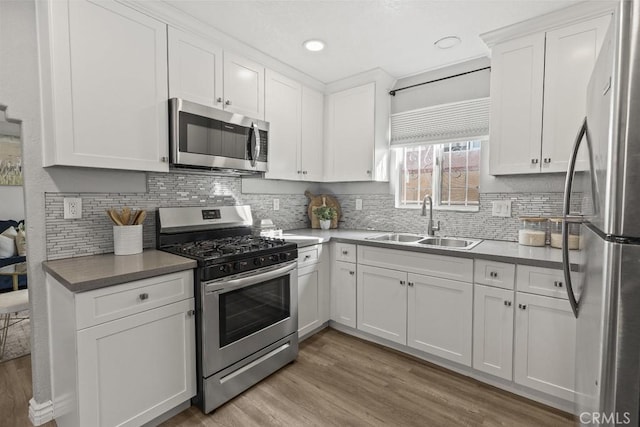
(430, 228)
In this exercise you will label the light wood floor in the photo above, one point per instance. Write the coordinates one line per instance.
(339, 380)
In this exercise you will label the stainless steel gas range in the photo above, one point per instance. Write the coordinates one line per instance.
(246, 297)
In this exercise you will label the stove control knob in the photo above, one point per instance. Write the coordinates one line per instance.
(236, 266)
(284, 256)
(258, 261)
(225, 268)
(274, 258)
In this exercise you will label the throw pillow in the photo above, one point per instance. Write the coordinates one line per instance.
(10, 232)
(7, 246)
(21, 243)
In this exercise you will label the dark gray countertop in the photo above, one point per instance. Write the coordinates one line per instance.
(83, 274)
(493, 250)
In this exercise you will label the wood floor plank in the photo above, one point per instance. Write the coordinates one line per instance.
(339, 380)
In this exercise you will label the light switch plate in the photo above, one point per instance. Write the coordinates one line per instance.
(358, 204)
(501, 208)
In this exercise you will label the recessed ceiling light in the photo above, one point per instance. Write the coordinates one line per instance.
(447, 42)
(313, 45)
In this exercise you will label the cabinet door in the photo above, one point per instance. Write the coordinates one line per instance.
(109, 100)
(545, 345)
(517, 73)
(309, 299)
(153, 353)
(350, 134)
(311, 144)
(493, 331)
(343, 293)
(570, 57)
(382, 303)
(283, 98)
(243, 86)
(195, 69)
(439, 317)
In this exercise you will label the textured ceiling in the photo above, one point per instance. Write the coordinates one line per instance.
(395, 35)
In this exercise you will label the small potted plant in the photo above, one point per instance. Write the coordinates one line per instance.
(325, 214)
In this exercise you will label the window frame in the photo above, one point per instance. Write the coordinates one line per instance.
(399, 153)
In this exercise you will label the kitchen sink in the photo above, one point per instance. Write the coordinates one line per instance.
(397, 238)
(450, 242)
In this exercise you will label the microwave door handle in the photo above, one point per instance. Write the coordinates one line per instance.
(256, 144)
(566, 264)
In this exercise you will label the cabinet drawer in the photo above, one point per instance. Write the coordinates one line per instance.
(541, 281)
(308, 256)
(499, 274)
(114, 302)
(345, 252)
(447, 267)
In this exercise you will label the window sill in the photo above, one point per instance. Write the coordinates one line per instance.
(443, 208)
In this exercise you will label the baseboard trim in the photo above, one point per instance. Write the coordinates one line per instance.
(40, 413)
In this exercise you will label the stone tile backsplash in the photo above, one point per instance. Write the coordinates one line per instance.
(93, 233)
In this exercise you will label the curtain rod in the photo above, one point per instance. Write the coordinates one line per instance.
(393, 92)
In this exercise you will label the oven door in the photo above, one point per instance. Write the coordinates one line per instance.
(246, 313)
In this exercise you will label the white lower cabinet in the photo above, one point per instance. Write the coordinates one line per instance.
(343, 293)
(382, 303)
(130, 368)
(313, 290)
(493, 331)
(123, 355)
(439, 318)
(545, 345)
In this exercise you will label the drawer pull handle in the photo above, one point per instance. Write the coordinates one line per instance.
(493, 274)
(345, 252)
(144, 296)
(557, 284)
(352, 273)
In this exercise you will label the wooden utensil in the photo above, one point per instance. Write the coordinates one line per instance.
(114, 217)
(142, 215)
(125, 215)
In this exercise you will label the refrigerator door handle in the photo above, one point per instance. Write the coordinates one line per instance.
(566, 264)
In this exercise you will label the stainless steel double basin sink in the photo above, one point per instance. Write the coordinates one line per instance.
(419, 240)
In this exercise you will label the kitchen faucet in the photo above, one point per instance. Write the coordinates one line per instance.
(430, 228)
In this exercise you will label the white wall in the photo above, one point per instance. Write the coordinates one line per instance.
(12, 199)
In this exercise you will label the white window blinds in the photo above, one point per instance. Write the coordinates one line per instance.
(457, 121)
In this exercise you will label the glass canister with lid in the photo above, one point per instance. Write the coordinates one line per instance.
(533, 231)
(556, 234)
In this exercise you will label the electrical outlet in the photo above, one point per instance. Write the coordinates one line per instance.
(276, 204)
(358, 204)
(72, 208)
(501, 208)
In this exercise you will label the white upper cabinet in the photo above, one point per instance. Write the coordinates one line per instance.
(283, 111)
(538, 96)
(195, 69)
(517, 78)
(243, 86)
(350, 134)
(570, 57)
(104, 86)
(311, 143)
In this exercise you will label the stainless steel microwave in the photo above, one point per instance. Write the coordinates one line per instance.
(202, 137)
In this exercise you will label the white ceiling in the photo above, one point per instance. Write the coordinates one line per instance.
(395, 35)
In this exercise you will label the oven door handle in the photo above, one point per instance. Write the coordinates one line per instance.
(228, 285)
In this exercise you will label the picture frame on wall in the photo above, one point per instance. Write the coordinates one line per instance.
(10, 150)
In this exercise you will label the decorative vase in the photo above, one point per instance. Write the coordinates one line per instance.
(325, 224)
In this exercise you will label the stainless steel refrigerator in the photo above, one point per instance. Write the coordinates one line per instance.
(602, 192)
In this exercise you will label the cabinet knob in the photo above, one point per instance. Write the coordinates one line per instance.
(164, 159)
(304, 172)
(534, 161)
(352, 273)
(507, 303)
(143, 296)
(306, 257)
(522, 306)
(410, 283)
(299, 172)
(493, 274)
(368, 172)
(191, 313)
(345, 252)
(402, 282)
(219, 100)
(228, 102)
(557, 284)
